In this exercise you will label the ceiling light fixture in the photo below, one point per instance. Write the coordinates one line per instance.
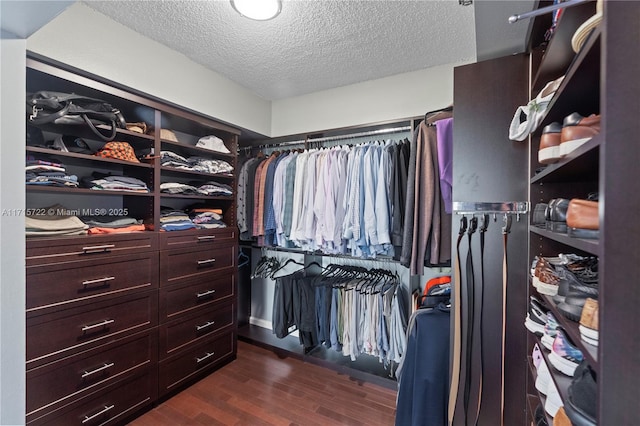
(259, 10)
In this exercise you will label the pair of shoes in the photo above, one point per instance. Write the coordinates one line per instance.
(561, 281)
(581, 400)
(558, 140)
(546, 386)
(536, 316)
(564, 356)
(550, 331)
(589, 322)
(582, 218)
(556, 215)
(539, 418)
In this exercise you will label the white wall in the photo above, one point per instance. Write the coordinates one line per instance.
(12, 243)
(86, 39)
(396, 97)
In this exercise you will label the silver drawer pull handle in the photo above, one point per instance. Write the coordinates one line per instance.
(97, 281)
(206, 238)
(208, 324)
(97, 370)
(205, 294)
(207, 356)
(100, 324)
(98, 414)
(103, 248)
(205, 262)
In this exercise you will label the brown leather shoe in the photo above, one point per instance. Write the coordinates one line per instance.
(549, 151)
(576, 130)
(583, 220)
(561, 418)
(589, 322)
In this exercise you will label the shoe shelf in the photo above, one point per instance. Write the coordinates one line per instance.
(588, 246)
(561, 380)
(590, 352)
(583, 161)
(580, 89)
(538, 398)
(558, 53)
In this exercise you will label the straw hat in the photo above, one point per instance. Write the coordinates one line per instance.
(581, 34)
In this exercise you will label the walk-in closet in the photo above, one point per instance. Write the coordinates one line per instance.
(320, 212)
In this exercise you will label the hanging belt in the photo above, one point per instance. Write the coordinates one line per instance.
(477, 351)
(455, 403)
(471, 312)
(505, 232)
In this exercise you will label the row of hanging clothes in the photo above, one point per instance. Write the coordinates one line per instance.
(347, 308)
(387, 198)
(340, 200)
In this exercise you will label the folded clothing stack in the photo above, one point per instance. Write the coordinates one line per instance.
(112, 224)
(195, 164)
(175, 220)
(55, 222)
(47, 173)
(179, 188)
(208, 219)
(208, 188)
(102, 182)
(215, 188)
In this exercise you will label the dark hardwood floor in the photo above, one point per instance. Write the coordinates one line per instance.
(260, 388)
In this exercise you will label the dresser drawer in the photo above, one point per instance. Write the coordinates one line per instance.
(68, 331)
(113, 406)
(57, 384)
(194, 361)
(69, 249)
(198, 237)
(54, 284)
(179, 264)
(191, 328)
(196, 294)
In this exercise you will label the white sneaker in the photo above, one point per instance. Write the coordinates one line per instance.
(553, 402)
(543, 378)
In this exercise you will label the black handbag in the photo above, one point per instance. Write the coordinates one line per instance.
(68, 108)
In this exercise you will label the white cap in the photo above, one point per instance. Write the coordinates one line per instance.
(212, 143)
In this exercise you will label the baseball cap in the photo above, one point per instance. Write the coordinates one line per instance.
(212, 143)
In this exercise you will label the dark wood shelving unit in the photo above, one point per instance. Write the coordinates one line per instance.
(86, 191)
(572, 168)
(196, 197)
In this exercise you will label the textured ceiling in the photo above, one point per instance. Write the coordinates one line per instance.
(312, 45)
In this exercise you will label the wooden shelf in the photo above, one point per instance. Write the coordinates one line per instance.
(81, 159)
(198, 197)
(559, 53)
(583, 161)
(85, 191)
(179, 172)
(590, 352)
(589, 246)
(197, 150)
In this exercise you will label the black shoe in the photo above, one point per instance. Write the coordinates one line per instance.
(540, 416)
(556, 215)
(581, 403)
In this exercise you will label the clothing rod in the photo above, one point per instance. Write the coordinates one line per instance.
(340, 137)
(473, 207)
(320, 254)
(543, 10)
